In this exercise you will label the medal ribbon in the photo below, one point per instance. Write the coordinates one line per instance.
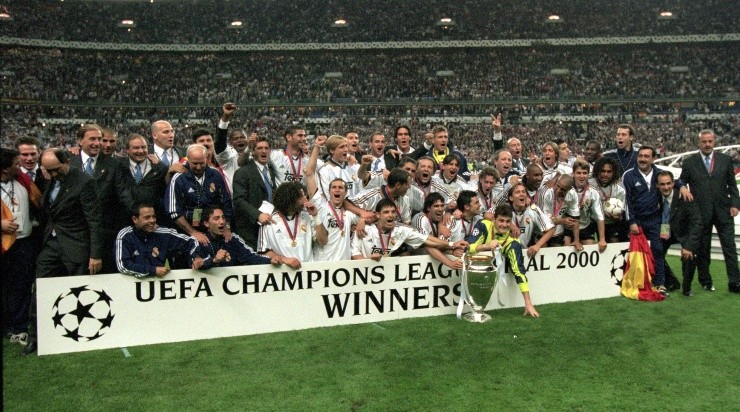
(294, 234)
(387, 194)
(435, 231)
(583, 197)
(340, 222)
(382, 243)
(296, 174)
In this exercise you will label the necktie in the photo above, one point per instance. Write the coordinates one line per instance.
(708, 163)
(54, 192)
(137, 173)
(89, 166)
(31, 174)
(666, 211)
(165, 159)
(375, 165)
(268, 185)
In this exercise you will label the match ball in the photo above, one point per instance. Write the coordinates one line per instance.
(613, 207)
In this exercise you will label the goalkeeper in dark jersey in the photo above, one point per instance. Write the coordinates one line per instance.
(489, 235)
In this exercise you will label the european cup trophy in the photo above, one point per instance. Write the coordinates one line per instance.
(479, 278)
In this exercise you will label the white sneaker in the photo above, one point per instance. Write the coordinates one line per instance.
(21, 338)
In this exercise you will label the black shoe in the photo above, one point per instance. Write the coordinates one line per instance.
(708, 287)
(30, 348)
(688, 294)
(673, 286)
(734, 287)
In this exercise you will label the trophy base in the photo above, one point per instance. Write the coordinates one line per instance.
(477, 317)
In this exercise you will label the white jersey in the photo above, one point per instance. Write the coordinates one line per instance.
(614, 190)
(532, 221)
(288, 168)
(589, 205)
(368, 199)
(553, 207)
(372, 242)
(455, 186)
(339, 246)
(422, 224)
(229, 161)
(549, 172)
(462, 228)
(376, 180)
(417, 194)
(331, 170)
(487, 203)
(291, 238)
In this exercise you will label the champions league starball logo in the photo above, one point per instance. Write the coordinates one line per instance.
(83, 314)
(619, 262)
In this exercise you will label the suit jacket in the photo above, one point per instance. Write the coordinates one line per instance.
(150, 190)
(686, 222)
(249, 192)
(75, 216)
(113, 193)
(716, 192)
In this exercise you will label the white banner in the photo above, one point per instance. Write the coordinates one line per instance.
(81, 313)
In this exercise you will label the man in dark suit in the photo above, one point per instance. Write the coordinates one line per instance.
(680, 223)
(73, 233)
(163, 143)
(518, 162)
(29, 150)
(711, 180)
(382, 159)
(146, 180)
(253, 184)
(113, 193)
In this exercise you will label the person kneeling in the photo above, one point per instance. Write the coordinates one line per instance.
(386, 238)
(488, 236)
(222, 252)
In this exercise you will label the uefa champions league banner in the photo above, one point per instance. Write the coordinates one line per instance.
(80, 313)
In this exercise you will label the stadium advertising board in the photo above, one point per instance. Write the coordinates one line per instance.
(81, 313)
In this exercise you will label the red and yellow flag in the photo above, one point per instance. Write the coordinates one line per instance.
(639, 271)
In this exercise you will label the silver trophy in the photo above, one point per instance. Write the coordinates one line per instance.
(478, 281)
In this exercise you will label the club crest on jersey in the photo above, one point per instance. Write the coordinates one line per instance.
(212, 187)
(155, 252)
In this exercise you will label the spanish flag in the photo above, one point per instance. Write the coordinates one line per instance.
(639, 271)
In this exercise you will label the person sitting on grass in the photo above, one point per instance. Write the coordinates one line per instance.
(488, 235)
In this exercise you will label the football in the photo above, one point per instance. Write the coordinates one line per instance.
(613, 207)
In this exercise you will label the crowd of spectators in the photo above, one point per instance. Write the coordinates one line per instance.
(310, 21)
(613, 72)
